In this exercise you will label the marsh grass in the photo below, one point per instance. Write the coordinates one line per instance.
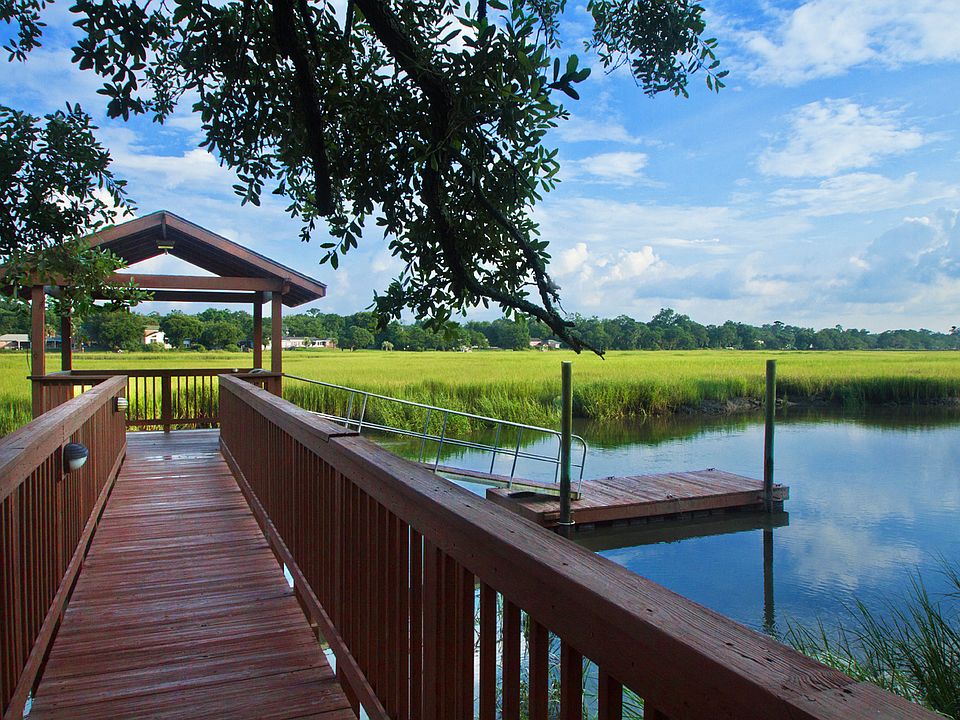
(910, 648)
(525, 386)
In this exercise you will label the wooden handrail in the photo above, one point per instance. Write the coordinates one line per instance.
(387, 558)
(159, 397)
(47, 517)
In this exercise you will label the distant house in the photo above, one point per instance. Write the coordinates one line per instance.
(155, 336)
(307, 342)
(538, 344)
(14, 341)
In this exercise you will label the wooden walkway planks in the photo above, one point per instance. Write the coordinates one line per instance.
(614, 499)
(181, 609)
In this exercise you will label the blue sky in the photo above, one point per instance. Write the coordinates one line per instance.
(822, 186)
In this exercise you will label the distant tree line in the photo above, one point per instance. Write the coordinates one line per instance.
(667, 330)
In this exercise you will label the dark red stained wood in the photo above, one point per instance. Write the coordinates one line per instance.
(689, 661)
(539, 643)
(466, 623)
(416, 624)
(258, 331)
(66, 343)
(511, 660)
(195, 282)
(137, 240)
(643, 496)
(571, 683)
(38, 338)
(609, 698)
(276, 333)
(488, 652)
(181, 608)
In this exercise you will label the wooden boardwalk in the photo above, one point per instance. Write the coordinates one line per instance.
(181, 609)
(644, 498)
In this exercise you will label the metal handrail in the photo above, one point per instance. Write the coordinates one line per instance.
(496, 450)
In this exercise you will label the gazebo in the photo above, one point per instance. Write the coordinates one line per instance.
(240, 275)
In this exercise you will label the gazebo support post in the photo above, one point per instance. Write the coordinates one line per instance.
(258, 331)
(276, 341)
(37, 345)
(66, 342)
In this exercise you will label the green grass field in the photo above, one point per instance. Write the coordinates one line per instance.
(524, 386)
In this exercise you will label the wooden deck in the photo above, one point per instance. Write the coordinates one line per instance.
(644, 498)
(181, 609)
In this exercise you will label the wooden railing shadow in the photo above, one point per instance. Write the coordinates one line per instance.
(47, 519)
(402, 572)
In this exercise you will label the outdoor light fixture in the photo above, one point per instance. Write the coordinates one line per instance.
(165, 245)
(74, 456)
(120, 404)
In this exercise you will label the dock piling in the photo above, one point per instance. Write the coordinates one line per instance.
(566, 431)
(770, 410)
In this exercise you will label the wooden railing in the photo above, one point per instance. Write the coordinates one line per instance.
(405, 574)
(47, 517)
(159, 398)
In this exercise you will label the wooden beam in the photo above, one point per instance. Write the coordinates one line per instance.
(258, 331)
(194, 282)
(66, 342)
(201, 296)
(37, 344)
(276, 333)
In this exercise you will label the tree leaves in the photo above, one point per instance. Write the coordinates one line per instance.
(422, 116)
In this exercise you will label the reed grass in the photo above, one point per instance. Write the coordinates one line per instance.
(525, 386)
(911, 648)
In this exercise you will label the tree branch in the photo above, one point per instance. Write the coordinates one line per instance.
(310, 107)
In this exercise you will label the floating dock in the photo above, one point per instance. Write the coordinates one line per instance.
(644, 498)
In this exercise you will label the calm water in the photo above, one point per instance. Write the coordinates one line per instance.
(873, 498)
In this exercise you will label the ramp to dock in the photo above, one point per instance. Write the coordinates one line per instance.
(644, 497)
(181, 609)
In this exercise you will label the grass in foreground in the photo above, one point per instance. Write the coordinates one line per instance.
(913, 651)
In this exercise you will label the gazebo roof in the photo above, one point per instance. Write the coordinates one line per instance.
(164, 232)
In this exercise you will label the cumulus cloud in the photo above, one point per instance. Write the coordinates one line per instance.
(830, 136)
(622, 168)
(194, 169)
(579, 129)
(862, 193)
(825, 38)
(902, 264)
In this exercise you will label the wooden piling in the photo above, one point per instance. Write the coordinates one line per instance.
(770, 410)
(566, 429)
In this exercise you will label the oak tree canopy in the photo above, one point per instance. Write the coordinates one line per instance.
(418, 121)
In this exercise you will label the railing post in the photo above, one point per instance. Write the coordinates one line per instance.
(37, 346)
(166, 402)
(771, 409)
(566, 429)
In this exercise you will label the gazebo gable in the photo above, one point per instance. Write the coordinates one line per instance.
(237, 269)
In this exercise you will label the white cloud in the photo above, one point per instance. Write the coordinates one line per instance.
(578, 129)
(47, 80)
(630, 265)
(909, 262)
(825, 38)
(829, 136)
(862, 193)
(614, 167)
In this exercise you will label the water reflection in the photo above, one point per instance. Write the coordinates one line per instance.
(873, 497)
